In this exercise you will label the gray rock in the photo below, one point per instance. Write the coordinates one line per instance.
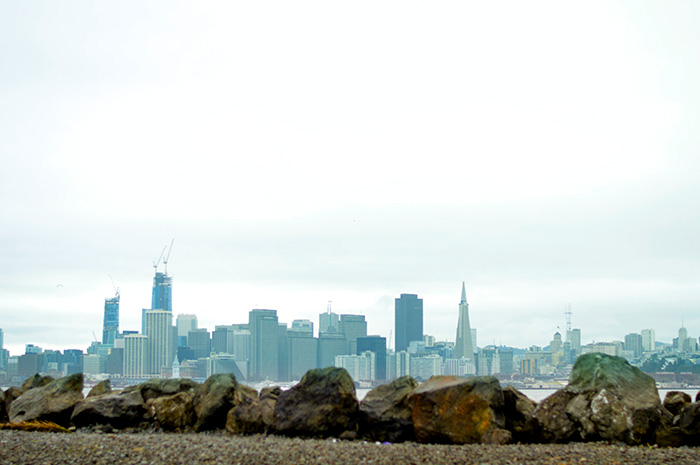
(384, 412)
(155, 388)
(118, 410)
(456, 410)
(53, 401)
(606, 399)
(36, 381)
(12, 393)
(322, 404)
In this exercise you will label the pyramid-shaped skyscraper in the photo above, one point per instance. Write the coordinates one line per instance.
(463, 344)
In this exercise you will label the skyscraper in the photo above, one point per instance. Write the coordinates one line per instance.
(185, 323)
(352, 327)
(135, 355)
(159, 329)
(648, 340)
(162, 296)
(264, 344)
(377, 345)
(110, 323)
(408, 320)
(463, 345)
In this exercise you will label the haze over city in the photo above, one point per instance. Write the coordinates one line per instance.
(544, 153)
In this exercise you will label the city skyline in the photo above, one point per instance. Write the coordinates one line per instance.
(299, 153)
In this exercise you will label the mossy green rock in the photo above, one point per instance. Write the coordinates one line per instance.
(53, 401)
(606, 399)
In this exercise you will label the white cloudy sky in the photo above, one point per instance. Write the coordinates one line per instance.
(299, 152)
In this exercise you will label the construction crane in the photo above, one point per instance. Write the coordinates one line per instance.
(156, 263)
(116, 289)
(167, 257)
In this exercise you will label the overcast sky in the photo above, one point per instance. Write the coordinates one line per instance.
(545, 153)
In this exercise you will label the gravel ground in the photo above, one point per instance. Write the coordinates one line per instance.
(18, 447)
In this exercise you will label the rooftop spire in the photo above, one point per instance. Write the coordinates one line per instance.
(464, 293)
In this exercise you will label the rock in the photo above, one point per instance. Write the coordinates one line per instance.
(456, 410)
(519, 414)
(553, 423)
(36, 381)
(101, 388)
(11, 395)
(384, 412)
(174, 412)
(3, 411)
(675, 401)
(253, 414)
(606, 399)
(53, 401)
(117, 409)
(497, 436)
(155, 388)
(689, 420)
(322, 404)
(219, 394)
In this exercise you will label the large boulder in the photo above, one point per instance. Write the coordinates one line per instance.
(160, 387)
(456, 410)
(36, 381)
(253, 414)
(128, 408)
(118, 410)
(12, 394)
(174, 412)
(519, 414)
(322, 404)
(384, 412)
(53, 401)
(219, 394)
(606, 399)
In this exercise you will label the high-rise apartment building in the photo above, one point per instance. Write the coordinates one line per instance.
(408, 320)
(110, 322)
(135, 355)
(648, 340)
(352, 327)
(264, 345)
(633, 343)
(159, 329)
(464, 348)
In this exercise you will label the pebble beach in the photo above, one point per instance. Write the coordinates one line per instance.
(18, 447)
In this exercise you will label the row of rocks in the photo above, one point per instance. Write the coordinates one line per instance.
(606, 399)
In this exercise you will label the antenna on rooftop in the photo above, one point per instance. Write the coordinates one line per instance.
(329, 307)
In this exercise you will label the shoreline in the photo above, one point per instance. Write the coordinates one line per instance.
(20, 448)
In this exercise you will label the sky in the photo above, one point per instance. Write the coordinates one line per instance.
(545, 153)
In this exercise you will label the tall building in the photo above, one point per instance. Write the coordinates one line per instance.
(185, 323)
(330, 345)
(135, 355)
(408, 320)
(633, 342)
(464, 348)
(222, 339)
(328, 321)
(377, 345)
(159, 329)
(2, 340)
(162, 296)
(264, 345)
(352, 327)
(302, 350)
(648, 340)
(576, 340)
(199, 340)
(110, 322)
